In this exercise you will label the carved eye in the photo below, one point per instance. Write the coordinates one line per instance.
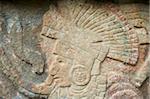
(59, 60)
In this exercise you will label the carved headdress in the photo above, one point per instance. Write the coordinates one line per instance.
(94, 26)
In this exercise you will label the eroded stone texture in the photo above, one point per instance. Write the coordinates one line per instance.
(82, 49)
(21, 60)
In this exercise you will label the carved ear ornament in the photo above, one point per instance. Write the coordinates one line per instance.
(80, 75)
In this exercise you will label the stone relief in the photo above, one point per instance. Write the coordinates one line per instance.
(75, 49)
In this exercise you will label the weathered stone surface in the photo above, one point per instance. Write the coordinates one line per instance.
(74, 49)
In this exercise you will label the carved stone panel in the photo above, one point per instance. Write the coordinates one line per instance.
(74, 49)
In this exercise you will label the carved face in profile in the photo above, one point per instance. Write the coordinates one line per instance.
(85, 34)
(78, 37)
